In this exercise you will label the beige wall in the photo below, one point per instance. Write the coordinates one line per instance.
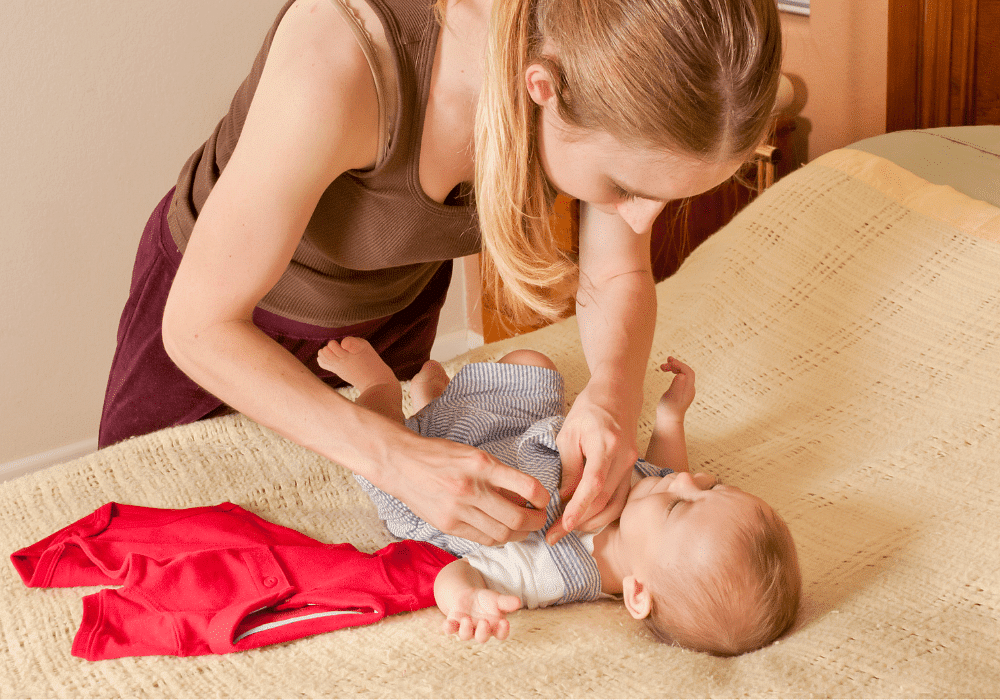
(836, 59)
(105, 99)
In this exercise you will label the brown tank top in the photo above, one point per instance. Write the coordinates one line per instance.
(375, 238)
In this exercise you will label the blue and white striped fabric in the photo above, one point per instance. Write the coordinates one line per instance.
(513, 412)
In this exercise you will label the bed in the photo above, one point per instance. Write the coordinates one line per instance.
(845, 329)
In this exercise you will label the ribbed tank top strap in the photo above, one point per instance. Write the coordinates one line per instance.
(386, 96)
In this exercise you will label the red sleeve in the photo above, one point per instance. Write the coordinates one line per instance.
(93, 550)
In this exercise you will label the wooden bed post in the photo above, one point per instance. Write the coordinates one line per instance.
(944, 63)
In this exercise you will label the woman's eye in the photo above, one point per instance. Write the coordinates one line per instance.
(624, 194)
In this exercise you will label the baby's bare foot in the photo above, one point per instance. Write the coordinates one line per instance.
(427, 384)
(355, 361)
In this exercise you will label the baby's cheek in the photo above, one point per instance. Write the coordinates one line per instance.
(643, 486)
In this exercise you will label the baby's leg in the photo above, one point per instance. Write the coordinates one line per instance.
(430, 381)
(355, 361)
(527, 357)
(427, 384)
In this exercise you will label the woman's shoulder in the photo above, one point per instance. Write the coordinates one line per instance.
(316, 65)
(315, 34)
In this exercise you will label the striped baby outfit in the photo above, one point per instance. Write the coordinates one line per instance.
(514, 413)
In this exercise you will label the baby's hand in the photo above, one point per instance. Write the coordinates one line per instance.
(680, 394)
(480, 614)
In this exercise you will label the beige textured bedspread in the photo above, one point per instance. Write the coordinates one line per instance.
(845, 330)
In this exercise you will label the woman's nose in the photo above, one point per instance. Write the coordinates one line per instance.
(640, 214)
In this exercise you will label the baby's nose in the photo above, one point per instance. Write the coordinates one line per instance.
(705, 481)
(688, 481)
(684, 480)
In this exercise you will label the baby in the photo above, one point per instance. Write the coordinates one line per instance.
(705, 564)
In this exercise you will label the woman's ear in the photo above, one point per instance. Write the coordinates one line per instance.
(539, 84)
(637, 597)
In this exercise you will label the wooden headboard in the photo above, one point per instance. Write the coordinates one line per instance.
(944, 63)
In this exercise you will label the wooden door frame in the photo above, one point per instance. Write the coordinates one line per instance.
(932, 63)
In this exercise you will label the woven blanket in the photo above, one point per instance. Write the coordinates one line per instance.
(845, 330)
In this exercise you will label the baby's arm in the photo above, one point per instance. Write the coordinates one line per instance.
(667, 446)
(471, 610)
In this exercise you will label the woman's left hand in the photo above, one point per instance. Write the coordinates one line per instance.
(598, 451)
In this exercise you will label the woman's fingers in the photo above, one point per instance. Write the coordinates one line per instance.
(498, 521)
(606, 474)
(505, 522)
(524, 485)
(517, 520)
(483, 514)
(465, 492)
(597, 456)
(609, 512)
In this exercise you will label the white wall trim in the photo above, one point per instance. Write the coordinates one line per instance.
(36, 462)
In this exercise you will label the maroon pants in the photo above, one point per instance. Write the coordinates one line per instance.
(147, 391)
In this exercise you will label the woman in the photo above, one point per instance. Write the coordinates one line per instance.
(332, 197)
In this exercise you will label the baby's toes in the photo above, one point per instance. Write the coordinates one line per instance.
(356, 346)
(334, 349)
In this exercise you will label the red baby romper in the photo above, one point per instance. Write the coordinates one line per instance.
(218, 579)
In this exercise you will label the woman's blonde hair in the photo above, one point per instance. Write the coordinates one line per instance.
(692, 76)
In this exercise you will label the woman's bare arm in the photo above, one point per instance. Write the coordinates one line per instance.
(616, 309)
(313, 117)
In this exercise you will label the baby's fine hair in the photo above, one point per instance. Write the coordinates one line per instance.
(742, 602)
(694, 77)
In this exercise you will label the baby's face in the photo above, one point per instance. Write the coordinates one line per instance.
(676, 520)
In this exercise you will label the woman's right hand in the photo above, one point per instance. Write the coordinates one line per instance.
(460, 490)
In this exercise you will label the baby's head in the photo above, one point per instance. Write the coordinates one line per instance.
(714, 567)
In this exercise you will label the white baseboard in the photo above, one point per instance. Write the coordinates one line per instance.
(33, 463)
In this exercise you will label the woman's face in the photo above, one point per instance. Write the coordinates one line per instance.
(597, 168)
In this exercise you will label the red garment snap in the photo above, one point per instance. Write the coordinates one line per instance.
(270, 581)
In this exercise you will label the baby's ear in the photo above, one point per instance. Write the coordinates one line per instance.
(637, 598)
